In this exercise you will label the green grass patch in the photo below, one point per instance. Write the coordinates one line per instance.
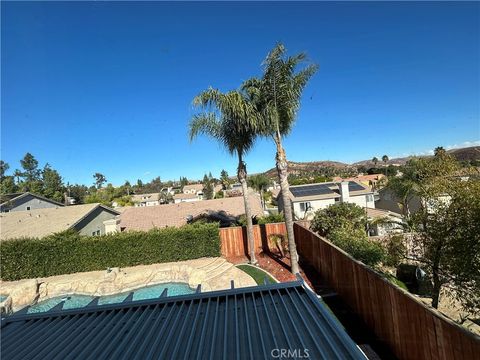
(395, 281)
(257, 274)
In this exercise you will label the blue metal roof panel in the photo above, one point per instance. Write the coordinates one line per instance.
(242, 323)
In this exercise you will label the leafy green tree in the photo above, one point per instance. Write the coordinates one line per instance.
(228, 118)
(385, 160)
(224, 180)
(405, 187)
(207, 188)
(78, 193)
(277, 98)
(165, 197)
(3, 168)
(337, 216)
(29, 164)
(128, 187)
(100, 179)
(447, 228)
(125, 200)
(53, 187)
(7, 185)
(30, 178)
(344, 225)
(183, 181)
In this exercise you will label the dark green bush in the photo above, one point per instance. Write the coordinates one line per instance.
(357, 244)
(272, 218)
(68, 252)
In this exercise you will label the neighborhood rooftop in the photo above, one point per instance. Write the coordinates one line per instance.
(145, 218)
(326, 190)
(4, 198)
(243, 323)
(44, 222)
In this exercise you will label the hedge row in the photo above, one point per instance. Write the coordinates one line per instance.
(68, 252)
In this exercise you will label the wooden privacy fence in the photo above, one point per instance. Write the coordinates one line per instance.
(234, 239)
(408, 327)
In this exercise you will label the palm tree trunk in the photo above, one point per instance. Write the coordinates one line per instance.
(282, 169)
(242, 177)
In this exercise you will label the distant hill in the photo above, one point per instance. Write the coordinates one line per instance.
(466, 154)
(463, 154)
(302, 167)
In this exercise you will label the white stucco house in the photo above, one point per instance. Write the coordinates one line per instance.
(142, 200)
(384, 222)
(192, 192)
(306, 199)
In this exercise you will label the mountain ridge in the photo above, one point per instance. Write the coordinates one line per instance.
(295, 167)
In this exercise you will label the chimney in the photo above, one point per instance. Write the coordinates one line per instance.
(344, 192)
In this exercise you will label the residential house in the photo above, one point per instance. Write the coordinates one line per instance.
(194, 189)
(179, 214)
(26, 201)
(371, 180)
(180, 198)
(87, 219)
(384, 222)
(306, 199)
(193, 192)
(141, 200)
(387, 200)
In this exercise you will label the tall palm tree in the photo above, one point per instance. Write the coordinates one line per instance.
(385, 160)
(230, 119)
(375, 160)
(276, 96)
(259, 182)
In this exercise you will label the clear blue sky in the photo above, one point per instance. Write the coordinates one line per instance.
(107, 87)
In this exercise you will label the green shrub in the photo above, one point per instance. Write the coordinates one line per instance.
(69, 252)
(272, 218)
(344, 225)
(357, 244)
(337, 216)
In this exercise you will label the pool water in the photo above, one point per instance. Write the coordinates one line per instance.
(78, 301)
(3, 298)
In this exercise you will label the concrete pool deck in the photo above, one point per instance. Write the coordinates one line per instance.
(211, 273)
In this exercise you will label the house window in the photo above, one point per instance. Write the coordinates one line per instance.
(305, 206)
(369, 198)
(28, 207)
(96, 233)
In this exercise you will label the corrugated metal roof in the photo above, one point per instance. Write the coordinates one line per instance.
(244, 323)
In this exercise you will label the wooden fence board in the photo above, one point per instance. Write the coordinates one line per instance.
(408, 327)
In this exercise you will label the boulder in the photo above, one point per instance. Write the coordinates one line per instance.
(24, 293)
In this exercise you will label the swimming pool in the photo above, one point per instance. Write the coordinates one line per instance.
(75, 301)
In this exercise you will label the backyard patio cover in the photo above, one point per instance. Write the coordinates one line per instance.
(244, 323)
